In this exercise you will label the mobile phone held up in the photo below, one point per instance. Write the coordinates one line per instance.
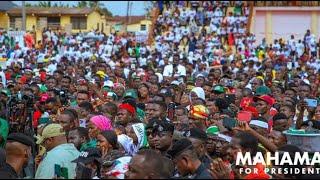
(311, 102)
(229, 123)
(171, 110)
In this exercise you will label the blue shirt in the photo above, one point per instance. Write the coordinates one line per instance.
(61, 155)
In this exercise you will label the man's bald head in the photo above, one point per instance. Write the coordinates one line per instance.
(149, 164)
(16, 149)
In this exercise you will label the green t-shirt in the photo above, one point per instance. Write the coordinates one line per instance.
(90, 144)
(4, 130)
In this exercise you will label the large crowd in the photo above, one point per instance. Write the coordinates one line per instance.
(96, 106)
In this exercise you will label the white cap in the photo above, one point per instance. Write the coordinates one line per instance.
(108, 84)
(175, 83)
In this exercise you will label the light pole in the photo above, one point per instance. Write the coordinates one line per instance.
(128, 4)
(23, 16)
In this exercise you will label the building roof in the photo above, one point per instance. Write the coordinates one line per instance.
(123, 19)
(51, 11)
(6, 5)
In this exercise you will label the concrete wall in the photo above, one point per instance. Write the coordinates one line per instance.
(136, 27)
(4, 20)
(31, 21)
(281, 22)
(64, 20)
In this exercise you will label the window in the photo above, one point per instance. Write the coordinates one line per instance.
(143, 27)
(79, 22)
(16, 22)
(42, 22)
(53, 22)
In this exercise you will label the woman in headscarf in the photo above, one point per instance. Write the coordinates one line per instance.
(96, 125)
(135, 138)
(196, 93)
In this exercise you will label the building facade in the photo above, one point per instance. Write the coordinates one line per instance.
(282, 22)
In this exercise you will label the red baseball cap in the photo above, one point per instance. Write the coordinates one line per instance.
(44, 97)
(265, 98)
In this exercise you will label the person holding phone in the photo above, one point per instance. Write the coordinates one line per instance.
(313, 122)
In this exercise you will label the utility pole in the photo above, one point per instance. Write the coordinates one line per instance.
(23, 16)
(130, 11)
(128, 4)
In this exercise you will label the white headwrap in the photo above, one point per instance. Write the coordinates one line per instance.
(199, 92)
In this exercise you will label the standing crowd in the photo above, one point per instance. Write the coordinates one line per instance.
(96, 106)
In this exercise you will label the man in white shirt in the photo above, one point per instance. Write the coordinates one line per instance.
(174, 69)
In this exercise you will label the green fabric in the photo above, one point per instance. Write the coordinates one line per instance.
(263, 90)
(43, 88)
(219, 89)
(12, 42)
(6, 92)
(137, 50)
(91, 144)
(4, 131)
(237, 10)
(44, 120)
(73, 103)
(140, 114)
(212, 130)
(131, 93)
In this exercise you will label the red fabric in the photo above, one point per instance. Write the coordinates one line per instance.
(8, 76)
(23, 80)
(253, 110)
(44, 97)
(29, 40)
(36, 117)
(128, 107)
(230, 39)
(245, 102)
(260, 175)
(265, 98)
(43, 76)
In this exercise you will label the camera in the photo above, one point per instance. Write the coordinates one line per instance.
(64, 95)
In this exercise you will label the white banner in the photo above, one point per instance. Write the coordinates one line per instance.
(18, 36)
(141, 37)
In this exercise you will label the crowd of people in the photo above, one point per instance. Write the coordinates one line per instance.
(99, 106)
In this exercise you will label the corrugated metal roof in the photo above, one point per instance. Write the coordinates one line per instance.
(6, 5)
(51, 11)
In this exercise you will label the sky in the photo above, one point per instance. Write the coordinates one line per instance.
(115, 7)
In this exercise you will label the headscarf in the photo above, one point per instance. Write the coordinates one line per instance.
(101, 122)
(140, 114)
(199, 92)
(128, 107)
(120, 167)
(127, 144)
(199, 112)
(140, 132)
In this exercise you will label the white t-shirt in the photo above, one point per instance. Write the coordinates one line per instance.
(168, 70)
(142, 61)
(108, 49)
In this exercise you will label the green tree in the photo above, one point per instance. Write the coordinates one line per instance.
(98, 5)
(44, 4)
(82, 4)
(29, 5)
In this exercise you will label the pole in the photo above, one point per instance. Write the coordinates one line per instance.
(130, 11)
(23, 16)
(128, 4)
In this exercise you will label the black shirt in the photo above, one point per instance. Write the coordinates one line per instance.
(206, 161)
(202, 173)
(7, 172)
(315, 124)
